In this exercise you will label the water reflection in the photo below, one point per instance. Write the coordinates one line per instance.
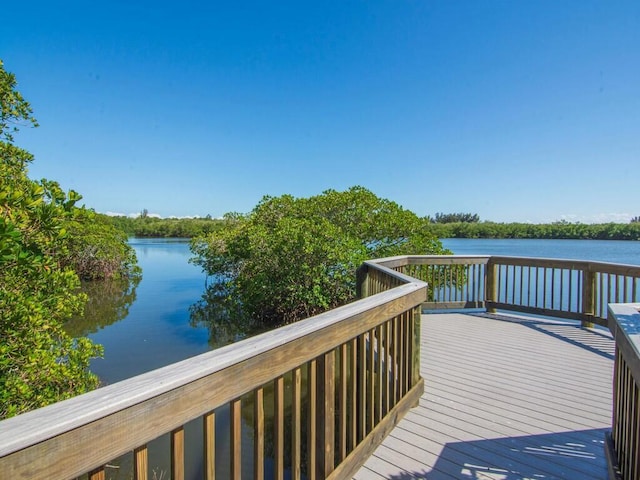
(108, 302)
(222, 317)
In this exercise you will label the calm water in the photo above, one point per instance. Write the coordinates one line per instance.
(150, 327)
(613, 251)
(156, 330)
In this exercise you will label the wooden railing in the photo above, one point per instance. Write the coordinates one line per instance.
(339, 381)
(623, 444)
(572, 289)
(351, 375)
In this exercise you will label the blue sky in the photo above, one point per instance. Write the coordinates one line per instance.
(515, 110)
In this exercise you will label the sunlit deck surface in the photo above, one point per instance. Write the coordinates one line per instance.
(506, 397)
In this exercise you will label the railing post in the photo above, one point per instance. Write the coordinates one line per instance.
(491, 282)
(362, 281)
(588, 296)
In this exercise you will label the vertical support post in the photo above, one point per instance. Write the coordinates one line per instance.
(325, 445)
(491, 282)
(588, 297)
(362, 281)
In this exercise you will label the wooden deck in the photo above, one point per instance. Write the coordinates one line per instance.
(506, 397)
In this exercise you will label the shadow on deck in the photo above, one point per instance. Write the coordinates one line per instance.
(506, 397)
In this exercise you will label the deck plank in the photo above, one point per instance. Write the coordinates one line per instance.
(506, 397)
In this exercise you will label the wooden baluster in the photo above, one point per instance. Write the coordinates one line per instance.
(209, 444)
(407, 349)
(415, 349)
(562, 289)
(569, 300)
(370, 382)
(362, 387)
(553, 288)
(278, 419)
(394, 358)
(140, 463)
(326, 414)
(177, 454)
(313, 415)
(296, 435)
(258, 436)
(353, 368)
(520, 300)
(379, 368)
(401, 354)
(235, 425)
(97, 474)
(343, 396)
(387, 367)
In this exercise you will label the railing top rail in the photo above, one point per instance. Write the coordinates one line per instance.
(590, 265)
(403, 260)
(39, 425)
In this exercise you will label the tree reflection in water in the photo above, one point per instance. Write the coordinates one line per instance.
(108, 302)
(223, 317)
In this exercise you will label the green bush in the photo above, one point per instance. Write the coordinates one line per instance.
(44, 237)
(291, 258)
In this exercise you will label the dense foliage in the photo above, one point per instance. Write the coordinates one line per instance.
(44, 238)
(145, 226)
(291, 258)
(96, 249)
(559, 230)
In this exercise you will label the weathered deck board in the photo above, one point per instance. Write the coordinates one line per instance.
(506, 397)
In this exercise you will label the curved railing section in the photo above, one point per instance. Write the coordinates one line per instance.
(571, 289)
(623, 444)
(591, 292)
(336, 383)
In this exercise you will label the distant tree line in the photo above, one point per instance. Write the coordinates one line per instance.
(556, 230)
(442, 225)
(146, 226)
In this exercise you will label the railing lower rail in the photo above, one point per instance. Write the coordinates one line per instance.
(361, 367)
